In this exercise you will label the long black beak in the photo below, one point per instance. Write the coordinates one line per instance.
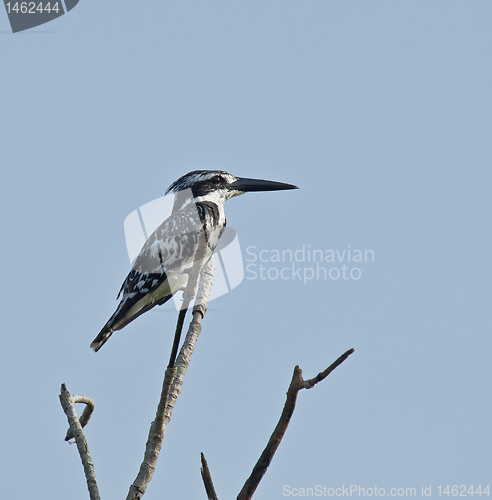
(244, 184)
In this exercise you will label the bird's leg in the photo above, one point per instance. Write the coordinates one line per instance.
(177, 335)
(188, 295)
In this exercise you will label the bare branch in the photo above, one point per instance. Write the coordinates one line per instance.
(266, 457)
(207, 480)
(68, 404)
(154, 441)
(173, 381)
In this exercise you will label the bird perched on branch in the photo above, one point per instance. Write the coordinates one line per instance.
(189, 234)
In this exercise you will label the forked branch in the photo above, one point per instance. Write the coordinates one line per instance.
(86, 414)
(68, 404)
(266, 457)
(297, 383)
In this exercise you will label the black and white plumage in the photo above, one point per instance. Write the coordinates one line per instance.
(191, 232)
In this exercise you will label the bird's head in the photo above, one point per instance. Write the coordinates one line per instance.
(219, 186)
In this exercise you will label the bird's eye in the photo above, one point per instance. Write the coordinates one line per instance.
(216, 179)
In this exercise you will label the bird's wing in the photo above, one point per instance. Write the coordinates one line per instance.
(169, 251)
(161, 267)
(157, 272)
(173, 245)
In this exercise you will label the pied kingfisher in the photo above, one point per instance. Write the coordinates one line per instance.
(190, 233)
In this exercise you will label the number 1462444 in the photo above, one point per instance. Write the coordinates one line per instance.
(463, 491)
(32, 7)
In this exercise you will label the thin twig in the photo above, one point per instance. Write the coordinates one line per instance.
(207, 479)
(266, 457)
(308, 384)
(86, 414)
(68, 404)
(173, 381)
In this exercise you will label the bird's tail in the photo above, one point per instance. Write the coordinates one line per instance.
(102, 338)
(114, 323)
(126, 313)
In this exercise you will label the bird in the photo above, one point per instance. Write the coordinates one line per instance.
(188, 235)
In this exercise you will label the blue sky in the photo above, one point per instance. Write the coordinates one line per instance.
(380, 112)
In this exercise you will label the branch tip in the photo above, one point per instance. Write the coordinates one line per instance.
(207, 479)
